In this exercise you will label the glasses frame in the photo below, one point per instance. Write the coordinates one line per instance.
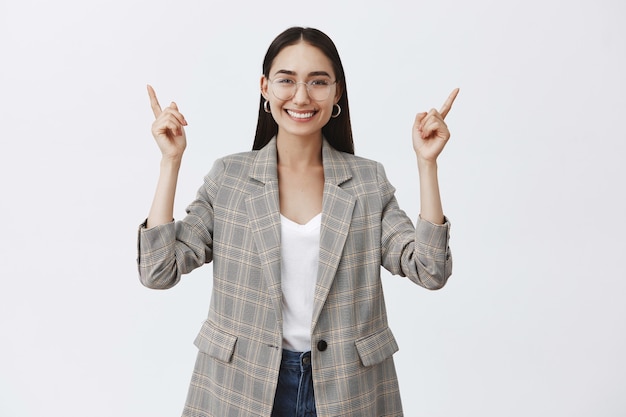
(295, 91)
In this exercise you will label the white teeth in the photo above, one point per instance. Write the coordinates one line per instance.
(300, 115)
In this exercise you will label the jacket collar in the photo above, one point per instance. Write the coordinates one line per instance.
(336, 168)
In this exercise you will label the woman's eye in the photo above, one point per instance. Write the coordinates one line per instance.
(284, 81)
(320, 83)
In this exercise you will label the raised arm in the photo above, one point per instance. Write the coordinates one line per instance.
(169, 133)
(430, 135)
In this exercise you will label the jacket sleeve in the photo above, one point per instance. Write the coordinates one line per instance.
(419, 252)
(167, 251)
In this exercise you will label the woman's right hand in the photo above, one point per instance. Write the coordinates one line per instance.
(168, 128)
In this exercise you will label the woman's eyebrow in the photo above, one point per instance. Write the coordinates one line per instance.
(284, 71)
(318, 73)
(311, 74)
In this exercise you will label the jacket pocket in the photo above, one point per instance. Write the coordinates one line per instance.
(215, 342)
(377, 347)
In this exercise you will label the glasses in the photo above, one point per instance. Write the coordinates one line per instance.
(285, 88)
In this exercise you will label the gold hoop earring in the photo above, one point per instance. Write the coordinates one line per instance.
(266, 106)
(333, 115)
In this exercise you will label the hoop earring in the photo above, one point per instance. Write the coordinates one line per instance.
(266, 106)
(333, 115)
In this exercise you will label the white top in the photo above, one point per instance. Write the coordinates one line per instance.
(299, 250)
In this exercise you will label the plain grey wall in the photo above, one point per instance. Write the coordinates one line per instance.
(532, 321)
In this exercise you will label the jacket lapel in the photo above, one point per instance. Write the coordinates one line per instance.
(264, 214)
(337, 208)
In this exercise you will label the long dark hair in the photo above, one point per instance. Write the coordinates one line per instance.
(338, 131)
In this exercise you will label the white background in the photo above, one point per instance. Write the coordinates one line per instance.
(532, 322)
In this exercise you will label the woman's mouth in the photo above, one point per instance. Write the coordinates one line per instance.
(300, 115)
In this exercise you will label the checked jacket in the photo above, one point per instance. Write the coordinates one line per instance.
(234, 222)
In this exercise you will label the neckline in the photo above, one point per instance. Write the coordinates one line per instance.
(315, 220)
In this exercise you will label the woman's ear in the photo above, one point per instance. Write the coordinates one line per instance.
(264, 86)
(338, 92)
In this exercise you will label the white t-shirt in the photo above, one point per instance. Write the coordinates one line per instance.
(299, 250)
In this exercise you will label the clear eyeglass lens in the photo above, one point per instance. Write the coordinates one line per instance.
(286, 89)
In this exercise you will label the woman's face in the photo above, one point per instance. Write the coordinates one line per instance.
(301, 115)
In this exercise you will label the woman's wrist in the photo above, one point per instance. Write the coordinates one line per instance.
(426, 166)
(171, 163)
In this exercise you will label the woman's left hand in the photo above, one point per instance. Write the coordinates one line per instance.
(430, 132)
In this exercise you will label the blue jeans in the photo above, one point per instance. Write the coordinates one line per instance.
(294, 393)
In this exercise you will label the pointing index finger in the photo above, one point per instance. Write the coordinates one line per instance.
(154, 103)
(448, 104)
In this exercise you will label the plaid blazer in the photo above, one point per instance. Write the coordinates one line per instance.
(235, 222)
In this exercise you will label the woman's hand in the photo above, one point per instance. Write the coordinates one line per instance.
(430, 132)
(168, 128)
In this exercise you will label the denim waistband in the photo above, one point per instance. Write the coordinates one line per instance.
(296, 360)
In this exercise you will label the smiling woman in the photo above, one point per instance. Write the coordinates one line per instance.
(300, 113)
(337, 131)
(297, 229)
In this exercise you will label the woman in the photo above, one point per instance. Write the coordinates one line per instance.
(297, 230)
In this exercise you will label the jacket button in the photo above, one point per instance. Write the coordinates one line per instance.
(322, 345)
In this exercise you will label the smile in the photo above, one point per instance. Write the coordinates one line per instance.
(300, 115)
